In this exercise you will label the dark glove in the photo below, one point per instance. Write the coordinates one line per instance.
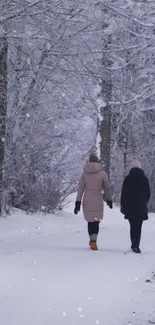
(77, 207)
(110, 205)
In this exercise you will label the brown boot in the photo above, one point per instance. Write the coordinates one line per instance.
(93, 245)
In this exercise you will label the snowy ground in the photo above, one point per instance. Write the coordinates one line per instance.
(48, 276)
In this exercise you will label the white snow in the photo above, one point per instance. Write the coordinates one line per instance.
(98, 141)
(49, 276)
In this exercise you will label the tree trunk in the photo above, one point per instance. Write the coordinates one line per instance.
(105, 124)
(3, 109)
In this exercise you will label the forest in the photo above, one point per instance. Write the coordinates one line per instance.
(74, 76)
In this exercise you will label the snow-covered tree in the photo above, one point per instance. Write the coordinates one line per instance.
(51, 73)
(3, 109)
(58, 52)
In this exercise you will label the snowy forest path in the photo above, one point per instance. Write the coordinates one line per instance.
(48, 275)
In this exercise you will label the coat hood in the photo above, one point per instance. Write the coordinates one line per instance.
(136, 172)
(92, 167)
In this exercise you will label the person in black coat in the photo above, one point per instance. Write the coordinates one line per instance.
(134, 199)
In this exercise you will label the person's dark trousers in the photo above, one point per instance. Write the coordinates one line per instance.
(135, 232)
(93, 230)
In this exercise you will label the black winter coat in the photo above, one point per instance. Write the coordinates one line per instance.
(135, 195)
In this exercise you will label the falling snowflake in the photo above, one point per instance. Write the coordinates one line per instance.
(28, 61)
(48, 46)
(97, 322)
(80, 309)
(27, 114)
(33, 279)
(64, 314)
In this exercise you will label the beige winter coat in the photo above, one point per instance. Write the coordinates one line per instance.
(92, 186)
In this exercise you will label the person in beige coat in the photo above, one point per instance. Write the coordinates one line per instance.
(93, 187)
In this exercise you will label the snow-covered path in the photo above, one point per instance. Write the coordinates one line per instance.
(48, 276)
